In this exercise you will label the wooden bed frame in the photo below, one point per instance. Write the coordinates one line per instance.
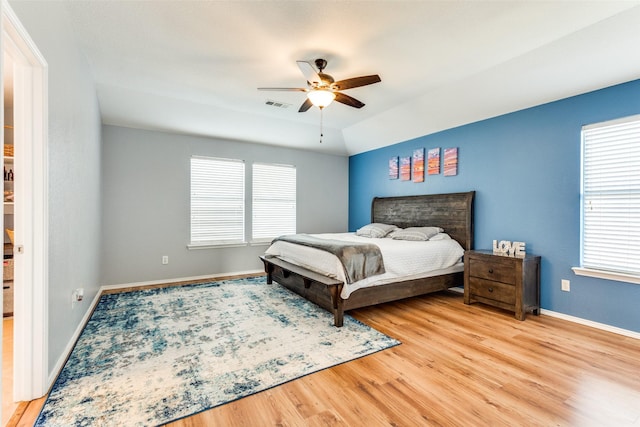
(453, 212)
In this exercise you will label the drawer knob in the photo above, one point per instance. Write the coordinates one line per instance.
(490, 289)
(491, 270)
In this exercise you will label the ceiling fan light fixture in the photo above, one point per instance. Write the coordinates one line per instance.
(321, 97)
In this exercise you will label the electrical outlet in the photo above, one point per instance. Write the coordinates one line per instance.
(566, 285)
(76, 296)
(165, 259)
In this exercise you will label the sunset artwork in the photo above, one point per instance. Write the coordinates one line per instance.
(405, 168)
(393, 168)
(433, 161)
(450, 161)
(418, 165)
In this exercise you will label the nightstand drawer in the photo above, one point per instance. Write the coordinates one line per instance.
(493, 290)
(494, 270)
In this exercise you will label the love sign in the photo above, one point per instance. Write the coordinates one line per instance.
(514, 249)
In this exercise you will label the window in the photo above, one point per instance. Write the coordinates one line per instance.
(217, 201)
(610, 240)
(274, 201)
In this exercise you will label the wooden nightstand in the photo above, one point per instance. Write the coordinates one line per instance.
(506, 282)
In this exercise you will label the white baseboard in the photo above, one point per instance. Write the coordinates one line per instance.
(592, 324)
(76, 334)
(176, 280)
(579, 320)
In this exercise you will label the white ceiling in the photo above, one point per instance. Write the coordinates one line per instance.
(194, 66)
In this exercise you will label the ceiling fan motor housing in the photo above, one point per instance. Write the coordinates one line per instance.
(326, 79)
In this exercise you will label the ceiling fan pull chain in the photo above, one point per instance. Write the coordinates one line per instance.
(321, 135)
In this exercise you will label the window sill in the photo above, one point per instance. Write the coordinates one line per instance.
(195, 246)
(608, 275)
(260, 243)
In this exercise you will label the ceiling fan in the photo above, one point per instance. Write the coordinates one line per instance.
(322, 89)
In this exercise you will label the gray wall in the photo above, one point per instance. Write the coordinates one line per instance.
(145, 203)
(74, 171)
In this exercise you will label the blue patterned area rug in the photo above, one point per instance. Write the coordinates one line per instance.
(154, 356)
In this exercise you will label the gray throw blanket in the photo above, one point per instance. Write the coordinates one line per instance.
(360, 260)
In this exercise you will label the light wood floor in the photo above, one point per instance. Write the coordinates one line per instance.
(458, 366)
(11, 411)
(7, 369)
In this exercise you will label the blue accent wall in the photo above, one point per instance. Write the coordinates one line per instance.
(525, 169)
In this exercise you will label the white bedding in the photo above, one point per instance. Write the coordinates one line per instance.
(402, 259)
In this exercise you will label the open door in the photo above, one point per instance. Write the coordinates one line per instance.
(30, 129)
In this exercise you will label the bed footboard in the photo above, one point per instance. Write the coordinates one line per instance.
(321, 290)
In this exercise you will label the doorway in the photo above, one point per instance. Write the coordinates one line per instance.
(9, 406)
(30, 129)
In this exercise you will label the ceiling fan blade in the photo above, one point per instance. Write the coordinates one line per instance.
(305, 106)
(356, 82)
(309, 72)
(288, 89)
(347, 100)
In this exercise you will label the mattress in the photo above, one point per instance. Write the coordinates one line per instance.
(403, 259)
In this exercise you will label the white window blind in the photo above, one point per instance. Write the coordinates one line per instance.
(611, 196)
(274, 201)
(217, 201)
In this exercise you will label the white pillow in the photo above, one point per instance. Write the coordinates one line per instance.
(375, 230)
(440, 236)
(415, 233)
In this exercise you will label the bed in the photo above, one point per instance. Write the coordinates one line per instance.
(453, 212)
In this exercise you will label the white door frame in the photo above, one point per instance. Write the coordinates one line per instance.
(31, 372)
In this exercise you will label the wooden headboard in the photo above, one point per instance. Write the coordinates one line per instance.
(453, 212)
